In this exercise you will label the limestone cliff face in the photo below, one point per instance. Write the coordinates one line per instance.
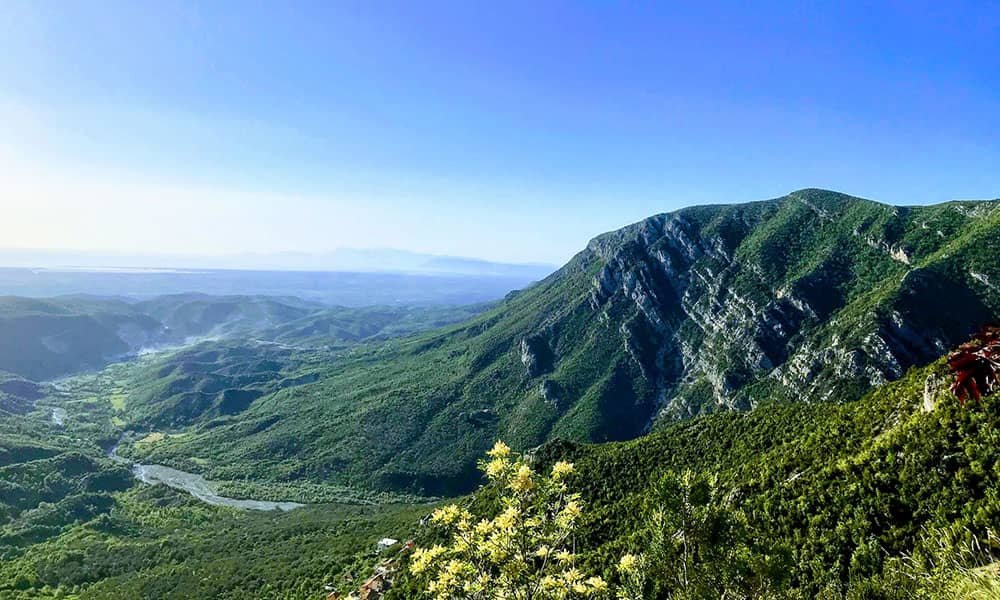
(809, 297)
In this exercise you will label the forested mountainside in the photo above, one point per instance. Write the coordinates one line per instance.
(40, 339)
(17, 394)
(890, 496)
(45, 338)
(815, 296)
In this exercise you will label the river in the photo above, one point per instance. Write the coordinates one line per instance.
(196, 485)
(201, 489)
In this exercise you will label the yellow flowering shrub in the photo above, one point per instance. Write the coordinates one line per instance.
(525, 552)
(632, 572)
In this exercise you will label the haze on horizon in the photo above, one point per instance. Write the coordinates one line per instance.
(513, 134)
(356, 260)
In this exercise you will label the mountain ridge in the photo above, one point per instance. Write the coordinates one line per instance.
(811, 296)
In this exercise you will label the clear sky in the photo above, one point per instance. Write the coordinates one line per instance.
(503, 130)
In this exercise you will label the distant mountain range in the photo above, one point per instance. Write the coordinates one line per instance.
(377, 260)
(45, 338)
(341, 288)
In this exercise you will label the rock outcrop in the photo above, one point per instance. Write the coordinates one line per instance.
(536, 356)
(706, 302)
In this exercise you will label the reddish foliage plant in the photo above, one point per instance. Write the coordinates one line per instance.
(976, 365)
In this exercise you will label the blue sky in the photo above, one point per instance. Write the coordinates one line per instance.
(509, 131)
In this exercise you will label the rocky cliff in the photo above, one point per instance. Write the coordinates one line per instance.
(811, 296)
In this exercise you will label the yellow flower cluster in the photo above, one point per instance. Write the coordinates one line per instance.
(523, 551)
(451, 579)
(561, 469)
(523, 480)
(628, 564)
(495, 468)
(450, 514)
(630, 570)
(422, 558)
(500, 450)
(572, 584)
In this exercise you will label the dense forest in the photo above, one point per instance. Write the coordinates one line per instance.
(893, 495)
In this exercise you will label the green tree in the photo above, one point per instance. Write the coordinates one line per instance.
(699, 546)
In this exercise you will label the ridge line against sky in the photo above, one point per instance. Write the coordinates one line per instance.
(462, 129)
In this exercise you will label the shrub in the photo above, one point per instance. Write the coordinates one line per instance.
(527, 551)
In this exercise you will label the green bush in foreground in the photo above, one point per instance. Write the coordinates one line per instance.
(699, 546)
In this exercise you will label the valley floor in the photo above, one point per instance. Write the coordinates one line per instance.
(79, 521)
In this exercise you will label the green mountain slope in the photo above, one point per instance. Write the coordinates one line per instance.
(835, 500)
(40, 339)
(832, 496)
(844, 486)
(17, 395)
(215, 380)
(812, 296)
(193, 315)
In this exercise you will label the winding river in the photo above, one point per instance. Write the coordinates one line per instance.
(196, 485)
(201, 489)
